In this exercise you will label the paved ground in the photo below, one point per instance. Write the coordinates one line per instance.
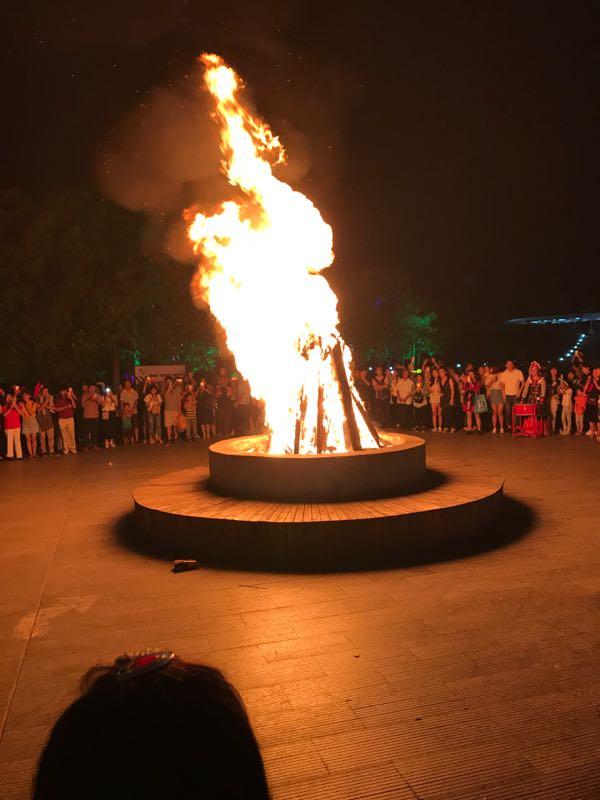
(472, 678)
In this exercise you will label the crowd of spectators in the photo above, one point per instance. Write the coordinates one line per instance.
(149, 410)
(152, 411)
(481, 399)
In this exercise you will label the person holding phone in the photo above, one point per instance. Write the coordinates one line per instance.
(29, 426)
(108, 405)
(153, 402)
(172, 407)
(90, 404)
(65, 405)
(206, 409)
(45, 418)
(12, 427)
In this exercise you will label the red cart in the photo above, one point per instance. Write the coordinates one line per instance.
(527, 420)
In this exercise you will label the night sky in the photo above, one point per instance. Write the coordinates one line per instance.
(452, 146)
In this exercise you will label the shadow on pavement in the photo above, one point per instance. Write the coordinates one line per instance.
(515, 520)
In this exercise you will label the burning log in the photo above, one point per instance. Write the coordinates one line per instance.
(346, 395)
(321, 432)
(368, 421)
(300, 424)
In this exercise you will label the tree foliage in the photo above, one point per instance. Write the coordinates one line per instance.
(381, 320)
(77, 289)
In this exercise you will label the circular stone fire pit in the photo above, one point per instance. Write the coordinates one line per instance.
(348, 510)
(243, 468)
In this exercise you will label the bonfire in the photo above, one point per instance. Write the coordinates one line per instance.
(260, 269)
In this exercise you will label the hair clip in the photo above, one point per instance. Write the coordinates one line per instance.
(127, 667)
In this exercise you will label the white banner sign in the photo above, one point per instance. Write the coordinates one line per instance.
(159, 371)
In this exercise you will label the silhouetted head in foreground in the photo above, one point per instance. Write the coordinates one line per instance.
(152, 726)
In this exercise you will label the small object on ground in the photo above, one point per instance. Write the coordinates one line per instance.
(184, 565)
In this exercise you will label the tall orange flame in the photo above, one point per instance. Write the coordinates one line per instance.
(260, 274)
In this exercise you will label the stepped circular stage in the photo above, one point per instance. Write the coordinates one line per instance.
(183, 515)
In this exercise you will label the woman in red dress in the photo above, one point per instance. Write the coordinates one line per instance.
(534, 393)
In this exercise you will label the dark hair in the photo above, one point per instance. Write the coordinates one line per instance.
(179, 732)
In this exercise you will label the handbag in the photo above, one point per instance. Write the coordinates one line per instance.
(180, 422)
(480, 405)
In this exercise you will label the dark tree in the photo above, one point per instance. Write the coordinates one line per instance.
(78, 290)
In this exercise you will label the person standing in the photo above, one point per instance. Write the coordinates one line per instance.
(566, 393)
(241, 414)
(2, 435)
(381, 401)
(205, 409)
(406, 390)
(153, 402)
(511, 383)
(393, 378)
(496, 397)
(534, 390)
(30, 428)
(420, 404)
(130, 396)
(448, 393)
(172, 407)
(127, 422)
(224, 411)
(580, 405)
(470, 397)
(45, 418)
(435, 400)
(90, 404)
(108, 405)
(189, 403)
(65, 405)
(554, 397)
(458, 415)
(12, 427)
(592, 395)
(364, 388)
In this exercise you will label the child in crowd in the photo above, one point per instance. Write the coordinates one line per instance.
(566, 393)
(127, 423)
(190, 404)
(580, 404)
(420, 406)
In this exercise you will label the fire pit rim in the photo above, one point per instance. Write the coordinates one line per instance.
(393, 443)
(322, 477)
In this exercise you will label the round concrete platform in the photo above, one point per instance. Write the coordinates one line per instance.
(241, 467)
(179, 515)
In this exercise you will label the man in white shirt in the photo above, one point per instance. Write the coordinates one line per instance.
(511, 383)
(406, 389)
